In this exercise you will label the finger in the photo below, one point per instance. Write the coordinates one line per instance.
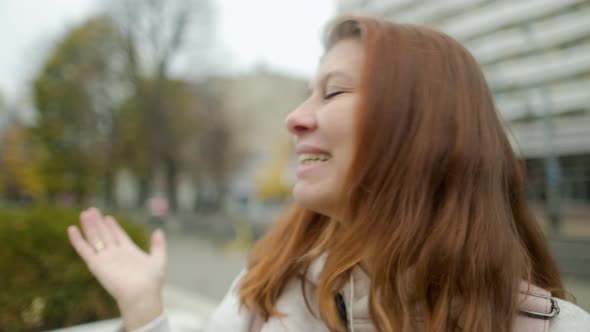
(158, 246)
(105, 231)
(118, 233)
(90, 226)
(84, 250)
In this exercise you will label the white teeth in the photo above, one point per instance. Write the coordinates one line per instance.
(306, 158)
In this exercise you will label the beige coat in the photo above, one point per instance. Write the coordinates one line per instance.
(228, 317)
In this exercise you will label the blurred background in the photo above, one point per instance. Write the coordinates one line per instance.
(171, 114)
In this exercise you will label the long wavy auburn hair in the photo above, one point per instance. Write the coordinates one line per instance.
(433, 207)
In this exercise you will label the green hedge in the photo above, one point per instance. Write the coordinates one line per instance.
(44, 284)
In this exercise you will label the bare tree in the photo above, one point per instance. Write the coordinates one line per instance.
(215, 155)
(156, 36)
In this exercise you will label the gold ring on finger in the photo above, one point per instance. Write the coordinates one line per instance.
(98, 246)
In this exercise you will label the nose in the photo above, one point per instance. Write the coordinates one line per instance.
(301, 120)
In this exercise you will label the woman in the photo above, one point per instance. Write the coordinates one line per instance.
(409, 210)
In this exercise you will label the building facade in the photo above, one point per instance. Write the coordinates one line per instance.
(257, 104)
(536, 58)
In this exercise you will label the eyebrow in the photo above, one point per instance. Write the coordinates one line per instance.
(329, 75)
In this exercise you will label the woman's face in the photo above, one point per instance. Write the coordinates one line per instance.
(323, 126)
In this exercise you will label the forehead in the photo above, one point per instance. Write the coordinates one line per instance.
(343, 59)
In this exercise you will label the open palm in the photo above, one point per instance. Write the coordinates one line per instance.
(124, 270)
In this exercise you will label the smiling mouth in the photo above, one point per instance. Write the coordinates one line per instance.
(312, 158)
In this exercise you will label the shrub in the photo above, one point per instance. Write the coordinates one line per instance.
(45, 284)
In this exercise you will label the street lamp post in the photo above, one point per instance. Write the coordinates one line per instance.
(540, 99)
(552, 167)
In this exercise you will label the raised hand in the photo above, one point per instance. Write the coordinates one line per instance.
(133, 277)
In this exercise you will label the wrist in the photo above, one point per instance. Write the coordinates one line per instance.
(141, 311)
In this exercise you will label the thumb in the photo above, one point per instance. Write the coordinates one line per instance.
(158, 246)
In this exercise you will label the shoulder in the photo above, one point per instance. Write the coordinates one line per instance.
(571, 318)
(229, 314)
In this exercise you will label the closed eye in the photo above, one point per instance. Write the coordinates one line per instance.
(332, 95)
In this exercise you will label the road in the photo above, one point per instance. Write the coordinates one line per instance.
(198, 265)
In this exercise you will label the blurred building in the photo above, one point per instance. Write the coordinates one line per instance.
(257, 104)
(536, 57)
(253, 107)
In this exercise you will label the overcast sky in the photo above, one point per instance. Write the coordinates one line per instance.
(283, 35)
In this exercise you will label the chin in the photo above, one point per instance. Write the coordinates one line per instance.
(311, 198)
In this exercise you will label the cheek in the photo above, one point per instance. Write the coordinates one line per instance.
(336, 131)
(337, 118)
(342, 166)
(339, 127)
